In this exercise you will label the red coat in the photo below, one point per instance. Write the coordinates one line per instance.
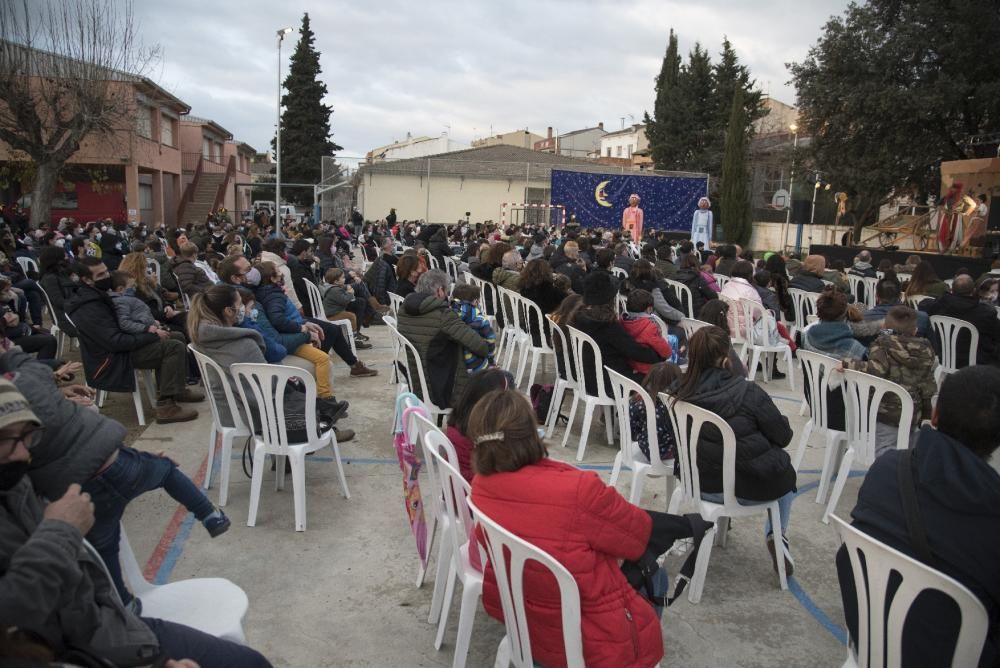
(646, 333)
(463, 448)
(588, 527)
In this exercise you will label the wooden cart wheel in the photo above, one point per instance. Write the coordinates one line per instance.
(886, 239)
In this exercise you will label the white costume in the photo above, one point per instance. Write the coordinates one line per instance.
(701, 227)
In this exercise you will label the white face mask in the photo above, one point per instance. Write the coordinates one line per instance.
(60, 243)
(253, 276)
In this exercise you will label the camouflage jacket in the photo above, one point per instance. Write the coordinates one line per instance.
(905, 360)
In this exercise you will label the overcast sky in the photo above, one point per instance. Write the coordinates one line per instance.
(397, 66)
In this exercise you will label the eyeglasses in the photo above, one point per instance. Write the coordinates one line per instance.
(29, 437)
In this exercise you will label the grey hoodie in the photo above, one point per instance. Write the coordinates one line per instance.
(227, 346)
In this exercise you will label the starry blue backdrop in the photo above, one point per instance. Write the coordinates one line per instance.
(667, 202)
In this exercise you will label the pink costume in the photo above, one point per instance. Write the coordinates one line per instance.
(632, 218)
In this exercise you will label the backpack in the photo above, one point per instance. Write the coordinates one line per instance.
(541, 400)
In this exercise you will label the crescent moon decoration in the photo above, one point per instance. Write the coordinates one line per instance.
(599, 194)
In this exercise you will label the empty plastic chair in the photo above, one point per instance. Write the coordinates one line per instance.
(880, 619)
(819, 374)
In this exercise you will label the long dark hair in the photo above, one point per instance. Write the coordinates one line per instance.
(480, 384)
(708, 348)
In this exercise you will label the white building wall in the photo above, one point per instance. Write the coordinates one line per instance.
(622, 145)
(450, 197)
(419, 149)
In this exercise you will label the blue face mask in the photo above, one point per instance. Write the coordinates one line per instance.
(130, 292)
(252, 315)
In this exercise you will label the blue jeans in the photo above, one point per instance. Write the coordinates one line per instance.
(131, 475)
(784, 506)
(183, 642)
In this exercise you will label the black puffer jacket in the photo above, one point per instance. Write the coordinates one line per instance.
(700, 292)
(807, 281)
(763, 468)
(617, 348)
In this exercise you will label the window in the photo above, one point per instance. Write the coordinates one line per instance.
(145, 196)
(144, 121)
(206, 148)
(630, 150)
(618, 151)
(166, 130)
(609, 151)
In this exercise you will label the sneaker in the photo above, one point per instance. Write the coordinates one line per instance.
(359, 370)
(167, 412)
(359, 335)
(216, 524)
(776, 375)
(786, 553)
(332, 409)
(189, 395)
(361, 344)
(343, 435)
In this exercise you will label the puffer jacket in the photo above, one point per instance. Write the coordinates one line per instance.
(283, 316)
(618, 349)
(905, 360)
(132, 313)
(807, 281)
(286, 273)
(737, 289)
(335, 299)
(228, 346)
(504, 278)
(256, 319)
(441, 338)
(647, 333)
(76, 441)
(192, 279)
(52, 586)
(763, 468)
(587, 527)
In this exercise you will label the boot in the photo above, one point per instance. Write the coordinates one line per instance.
(167, 412)
(376, 306)
(359, 370)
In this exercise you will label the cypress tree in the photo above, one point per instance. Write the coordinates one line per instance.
(662, 124)
(305, 122)
(730, 76)
(735, 193)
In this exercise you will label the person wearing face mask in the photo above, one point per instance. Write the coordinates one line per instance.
(110, 355)
(114, 243)
(54, 588)
(59, 283)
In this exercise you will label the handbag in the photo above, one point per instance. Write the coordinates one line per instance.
(666, 530)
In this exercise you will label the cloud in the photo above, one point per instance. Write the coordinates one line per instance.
(394, 66)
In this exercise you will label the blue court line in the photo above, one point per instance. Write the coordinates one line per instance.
(184, 533)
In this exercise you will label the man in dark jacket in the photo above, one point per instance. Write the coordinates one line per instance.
(962, 303)
(863, 266)
(114, 244)
(381, 276)
(53, 587)
(190, 277)
(110, 355)
(623, 259)
(810, 277)
(300, 263)
(958, 499)
(441, 338)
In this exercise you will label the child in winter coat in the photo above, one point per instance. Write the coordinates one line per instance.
(659, 379)
(466, 305)
(638, 322)
(133, 316)
(906, 359)
(256, 319)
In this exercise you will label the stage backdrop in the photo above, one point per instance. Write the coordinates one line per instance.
(667, 202)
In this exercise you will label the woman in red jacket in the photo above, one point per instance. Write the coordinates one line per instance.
(479, 385)
(584, 524)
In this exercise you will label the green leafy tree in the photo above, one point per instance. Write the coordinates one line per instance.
(891, 89)
(305, 122)
(735, 182)
(663, 124)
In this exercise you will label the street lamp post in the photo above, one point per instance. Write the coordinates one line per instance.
(791, 183)
(277, 142)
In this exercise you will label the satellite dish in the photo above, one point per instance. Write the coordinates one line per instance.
(780, 199)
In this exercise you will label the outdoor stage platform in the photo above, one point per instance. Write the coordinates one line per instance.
(944, 265)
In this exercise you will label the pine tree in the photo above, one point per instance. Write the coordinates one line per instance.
(662, 124)
(729, 77)
(735, 193)
(305, 122)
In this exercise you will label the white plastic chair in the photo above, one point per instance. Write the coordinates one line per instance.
(55, 330)
(819, 372)
(689, 493)
(621, 303)
(913, 301)
(618, 272)
(531, 313)
(184, 296)
(455, 490)
(803, 304)
(451, 266)
(630, 455)
(721, 280)
(759, 343)
(513, 337)
(855, 282)
(213, 376)
(565, 377)
(267, 382)
(690, 326)
(27, 264)
(214, 606)
(143, 378)
(880, 634)
(580, 343)
(862, 395)
(395, 304)
(948, 330)
(433, 261)
(683, 294)
(316, 306)
(408, 359)
(508, 555)
(871, 289)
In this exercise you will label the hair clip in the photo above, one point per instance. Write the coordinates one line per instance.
(495, 436)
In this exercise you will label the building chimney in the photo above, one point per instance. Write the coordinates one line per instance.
(600, 126)
(550, 132)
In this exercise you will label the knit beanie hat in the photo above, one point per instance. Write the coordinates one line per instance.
(598, 289)
(13, 406)
(814, 264)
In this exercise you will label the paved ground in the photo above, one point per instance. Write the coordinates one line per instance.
(342, 593)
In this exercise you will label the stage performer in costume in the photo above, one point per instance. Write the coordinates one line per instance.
(975, 236)
(632, 218)
(701, 223)
(950, 217)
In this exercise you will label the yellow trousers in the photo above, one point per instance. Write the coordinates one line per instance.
(321, 361)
